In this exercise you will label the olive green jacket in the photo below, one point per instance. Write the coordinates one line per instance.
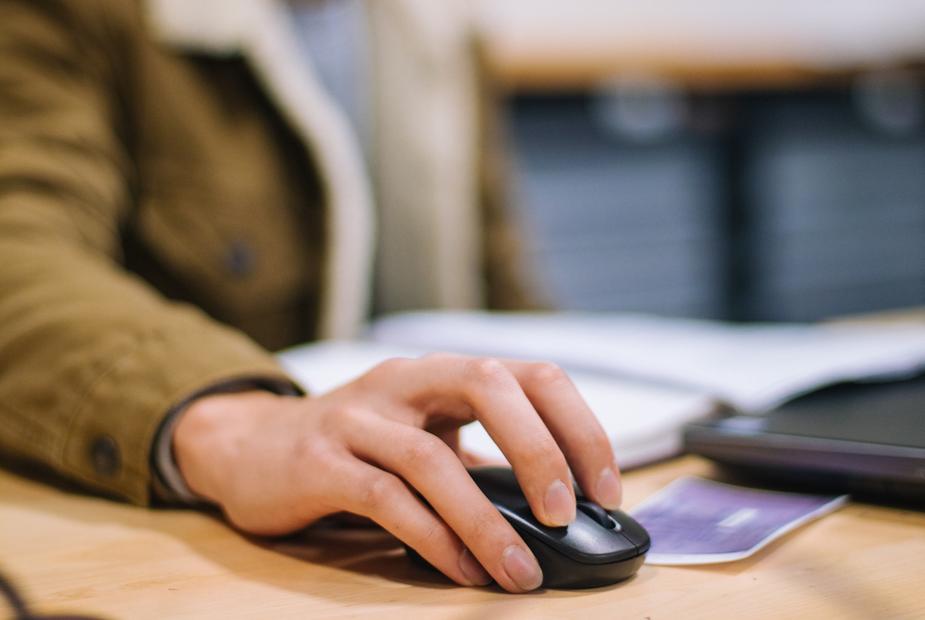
(174, 202)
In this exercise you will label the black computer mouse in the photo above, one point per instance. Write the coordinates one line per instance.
(598, 548)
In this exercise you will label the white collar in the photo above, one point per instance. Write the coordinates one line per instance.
(215, 26)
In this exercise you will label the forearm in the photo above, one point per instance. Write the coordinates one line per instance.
(91, 357)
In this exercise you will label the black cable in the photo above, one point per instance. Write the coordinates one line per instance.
(16, 601)
(21, 610)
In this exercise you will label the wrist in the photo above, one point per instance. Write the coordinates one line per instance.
(210, 433)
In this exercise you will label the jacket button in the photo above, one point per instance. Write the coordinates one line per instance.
(240, 259)
(105, 455)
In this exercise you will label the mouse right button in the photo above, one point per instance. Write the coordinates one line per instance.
(634, 532)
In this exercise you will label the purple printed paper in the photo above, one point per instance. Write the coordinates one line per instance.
(697, 521)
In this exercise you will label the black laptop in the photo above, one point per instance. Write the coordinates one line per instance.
(862, 438)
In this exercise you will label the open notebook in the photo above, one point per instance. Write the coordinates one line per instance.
(644, 377)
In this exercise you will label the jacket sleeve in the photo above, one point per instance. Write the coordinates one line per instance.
(91, 357)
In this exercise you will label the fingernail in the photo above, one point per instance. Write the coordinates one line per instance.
(472, 570)
(559, 504)
(609, 490)
(521, 568)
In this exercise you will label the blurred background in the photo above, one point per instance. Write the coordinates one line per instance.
(760, 160)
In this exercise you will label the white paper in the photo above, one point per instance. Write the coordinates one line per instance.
(323, 366)
(754, 368)
(785, 33)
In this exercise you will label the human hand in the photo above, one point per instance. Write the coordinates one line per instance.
(379, 444)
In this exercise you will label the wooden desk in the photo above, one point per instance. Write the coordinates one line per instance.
(81, 554)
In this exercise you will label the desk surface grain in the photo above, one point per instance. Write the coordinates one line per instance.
(82, 554)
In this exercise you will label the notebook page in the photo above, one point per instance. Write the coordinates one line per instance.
(753, 367)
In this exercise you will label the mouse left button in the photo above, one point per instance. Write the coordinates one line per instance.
(599, 515)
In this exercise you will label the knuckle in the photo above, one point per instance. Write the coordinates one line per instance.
(379, 492)
(329, 422)
(350, 414)
(425, 451)
(308, 448)
(589, 439)
(488, 370)
(542, 451)
(440, 358)
(431, 537)
(546, 373)
(388, 368)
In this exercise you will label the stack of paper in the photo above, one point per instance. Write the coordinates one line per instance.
(754, 367)
(644, 377)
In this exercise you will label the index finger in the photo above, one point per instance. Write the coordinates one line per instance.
(490, 393)
(575, 428)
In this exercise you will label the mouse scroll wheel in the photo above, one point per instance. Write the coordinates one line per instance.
(598, 514)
